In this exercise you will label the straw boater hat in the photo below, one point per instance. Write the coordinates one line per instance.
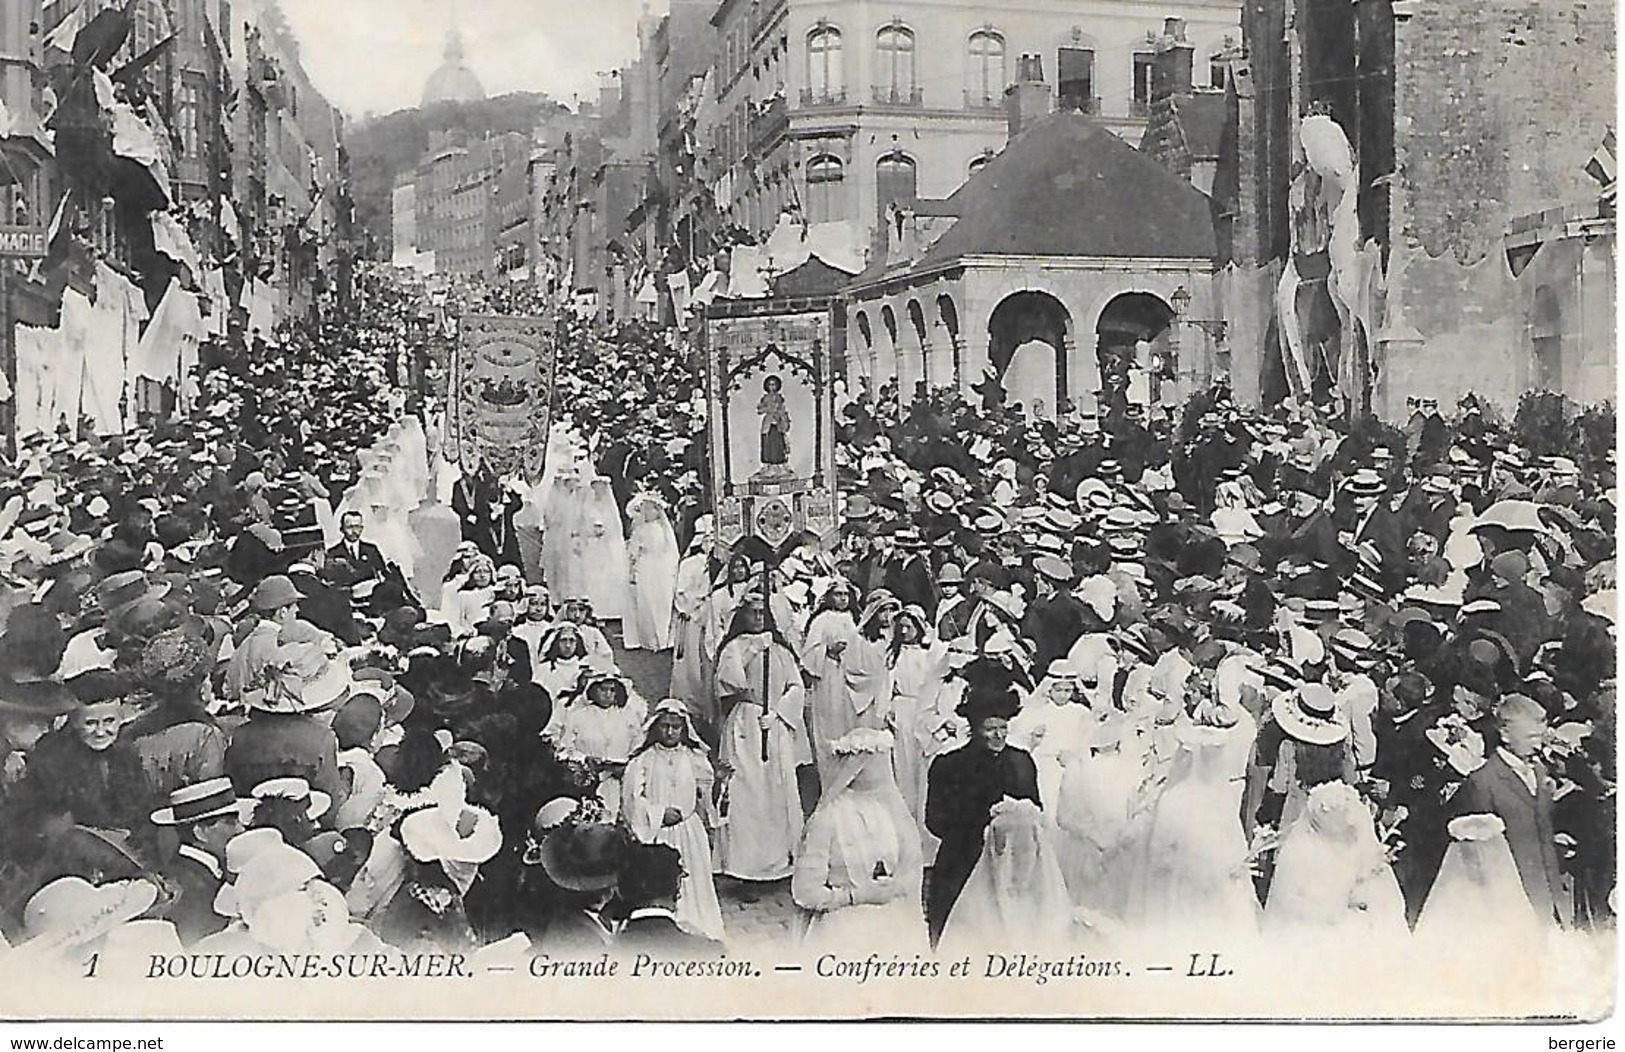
(298, 790)
(1311, 714)
(200, 801)
(1364, 483)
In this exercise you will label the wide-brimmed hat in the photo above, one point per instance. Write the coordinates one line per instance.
(314, 801)
(273, 871)
(981, 704)
(274, 593)
(71, 911)
(468, 835)
(117, 591)
(1311, 714)
(200, 801)
(300, 677)
(42, 699)
(584, 857)
(242, 848)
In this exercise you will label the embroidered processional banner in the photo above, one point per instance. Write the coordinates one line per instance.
(501, 395)
(770, 388)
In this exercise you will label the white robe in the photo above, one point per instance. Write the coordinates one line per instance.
(921, 728)
(653, 560)
(604, 557)
(692, 660)
(848, 838)
(763, 823)
(561, 539)
(834, 708)
(1099, 824)
(681, 778)
(605, 733)
(1054, 735)
(1192, 867)
(1015, 901)
(466, 608)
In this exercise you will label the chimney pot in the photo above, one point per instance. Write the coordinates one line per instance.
(1028, 99)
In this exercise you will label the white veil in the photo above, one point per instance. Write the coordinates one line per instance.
(1478, 888)
(648, 624)
(1332, 875)
(1016, 896)
(606, 568)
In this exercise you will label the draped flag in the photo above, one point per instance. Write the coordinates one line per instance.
(501, 397)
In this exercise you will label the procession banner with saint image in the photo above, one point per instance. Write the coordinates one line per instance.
(769, 384)
(501, 396)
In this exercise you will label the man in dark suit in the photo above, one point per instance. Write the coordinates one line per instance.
(1310, 531)
(324, 604)
(650, 878)
(1058, 618)
(961, 788)
(206, 816)
(1375, 523)
(353, 562)
(364, 562)
(1513, 784)
(908, 576)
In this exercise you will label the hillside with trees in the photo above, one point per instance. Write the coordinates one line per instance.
(386, 147)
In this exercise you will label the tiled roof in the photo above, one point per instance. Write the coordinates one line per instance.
(1069, 187)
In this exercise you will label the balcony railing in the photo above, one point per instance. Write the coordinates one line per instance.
(1140, 108)
(1078, 103)
(768, 122)
(812, 98)
(886, 95)
(980, 99)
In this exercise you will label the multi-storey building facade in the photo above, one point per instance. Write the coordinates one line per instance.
(456, 214)
(838, 108)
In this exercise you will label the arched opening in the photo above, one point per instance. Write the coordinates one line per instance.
(985, 68)
(889, 360)
(948, 316)
(865, 358)
(896, 182)
(826, 202)
(895, 76)
(1134, 348)
(919, 354)
(826, 80)
(1028, 335)
(1546, 338)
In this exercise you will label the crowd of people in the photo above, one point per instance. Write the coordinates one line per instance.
(283, 677)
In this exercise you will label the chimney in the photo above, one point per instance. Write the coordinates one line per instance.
(1175, 58)
(1027, 101)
